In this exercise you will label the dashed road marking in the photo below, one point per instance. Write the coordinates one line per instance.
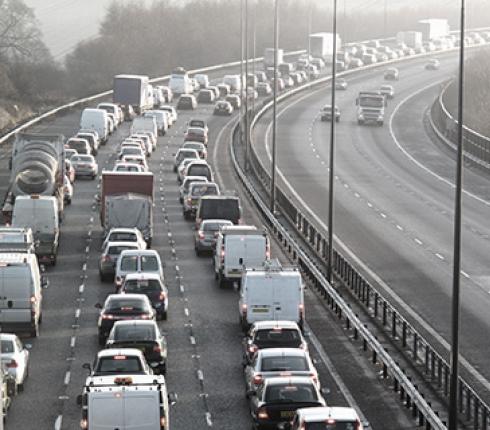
(67, 377)
(439, 256)
(418, 241)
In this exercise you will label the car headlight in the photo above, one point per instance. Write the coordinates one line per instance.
(380, 117)
(361, 116)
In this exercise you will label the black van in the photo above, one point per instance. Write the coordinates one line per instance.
(219, 207)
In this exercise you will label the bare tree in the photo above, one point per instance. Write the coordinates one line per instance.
(19, 33)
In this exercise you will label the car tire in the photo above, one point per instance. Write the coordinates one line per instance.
(20, 388)
(221, 281)
(35, 330)
(164, 315)
(360, 122)
(93, 177)
(163, 369)
(198, 253)
(101, 340)
(337, 119)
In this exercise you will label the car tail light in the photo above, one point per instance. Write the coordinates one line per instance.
(314, 377)
(156, 348)
(201, 235)
(162, 296)
(301, 310)
(262, 414)
(107, 317)
(118, 281)
(252, 349)
(12, 364)
(106, 258)
(84, 424)
(163, 422)
(145, 316)
(33, 300)
(244, 310)
(268, 252)
(222, 255)
(257, 380)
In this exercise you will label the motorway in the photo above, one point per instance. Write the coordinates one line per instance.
(203, 334)
(394, 199)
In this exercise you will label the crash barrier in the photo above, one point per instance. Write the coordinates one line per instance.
(476, 147)
(434, 366)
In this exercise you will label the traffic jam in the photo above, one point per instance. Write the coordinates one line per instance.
(126, 383)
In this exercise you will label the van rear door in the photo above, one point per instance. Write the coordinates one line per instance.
(16, 291)
(106, 411)
(147, 405)
(255, 251)
(259, 299)
(288, 296)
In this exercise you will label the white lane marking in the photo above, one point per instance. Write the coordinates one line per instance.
(73, 341)
(58, 422)
(413, 159)
(465, 274)
(382, 215)
(186, 312)
(67, 377)
(418, 241)
(193, 340)
(81, 288)
(200, 375)
(357, 195)
(399, 227)
(439, 256)
(374, 276)
(208, 419)
(77, 313)
(333, 372)
(370, 204)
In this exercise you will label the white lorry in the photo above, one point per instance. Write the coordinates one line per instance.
(125, 402)
(271, 293)
(433, 29)
(133, 90)
(180, 82)
(321, 45)
(238, 247)
(413, 39)
(269, 57)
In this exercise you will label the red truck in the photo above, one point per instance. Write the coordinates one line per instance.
(127, 201)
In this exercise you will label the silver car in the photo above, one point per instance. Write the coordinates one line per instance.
(205, 237)
(15, 358)
(109, 256)
(85, 165)
(184, 188)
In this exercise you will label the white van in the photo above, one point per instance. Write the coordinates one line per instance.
(161, 118)
(96, 119)
(145, 125)
(271, 293)
(20, 293)
(124, 402)
(234, 82)
(16, 240)
(40, 213)
(202, 80)
(238, 247)
(138, 261)
(180, 83)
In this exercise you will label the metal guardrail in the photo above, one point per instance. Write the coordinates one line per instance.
(473, 410)
(476, 146)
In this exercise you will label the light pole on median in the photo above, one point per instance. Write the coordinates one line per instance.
(274, 113)
(453, 386)
(246, 88)
(254, 42)
(241, 71)
(331, 176)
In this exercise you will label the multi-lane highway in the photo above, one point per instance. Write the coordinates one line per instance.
(394, 199)
(204, 338)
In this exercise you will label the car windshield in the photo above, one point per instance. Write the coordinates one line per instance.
(116, 250)
(126, 305)
(290, 393)
(7, 346)
(119, 364)
(273, 338)
(129, 263)
(134, 333)
(142, 286)
(283, 363)
(334, 425)
(149, 263)
(197, 131)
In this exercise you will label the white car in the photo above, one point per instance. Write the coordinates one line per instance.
(138, 159)
(186, 183)
(15, 358)
(128, 167)
(172, 111)
(147, 142)
(125, 235)
(181, 169)
(67, 190)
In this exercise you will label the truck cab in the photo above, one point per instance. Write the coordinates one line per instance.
(371, 107)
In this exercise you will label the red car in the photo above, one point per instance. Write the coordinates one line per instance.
(196, 134)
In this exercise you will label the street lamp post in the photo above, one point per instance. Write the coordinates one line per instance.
(241, 71)
(246, 88)
(331, 177)
(274, 113)
(453, 386)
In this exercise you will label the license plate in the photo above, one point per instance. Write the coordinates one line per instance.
(260, 310)
(287, 414)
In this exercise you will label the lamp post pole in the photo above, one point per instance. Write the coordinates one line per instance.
(246, 88)
(453, 386)
(331, 177)
(274, 113)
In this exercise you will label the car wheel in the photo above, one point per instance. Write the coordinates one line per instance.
(164, 315)
(337, 119)
(221, 281)
(35, 330)
(20, 388)
(163, 369)
(101, 340)
(68, 201)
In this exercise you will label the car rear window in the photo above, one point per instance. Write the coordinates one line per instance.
(333, 425)
(149, 263)
(129, 263)
(290, 393)
(199, 170)
(197, 123)
(273, 338)
(116, 250)
(142, 286)
(122, 237)
(220, 209)
(283, 363)
(134, 332)
(204, 190)
(213, 226)
(7, 346)
(129, 305)
(119, 364)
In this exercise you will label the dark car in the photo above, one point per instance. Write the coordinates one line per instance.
(392, 74)
(272, 334)
(142, 335)
(198, 122)
(326, 113)
(196, 134)
(186, 101)
(152, 286)
(122, 307)
(219, 207)
(109, 256)
(205, 238)
(234, 100)
(277, 399)
(206, 96)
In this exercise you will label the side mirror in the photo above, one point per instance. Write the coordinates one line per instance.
(44, 281)
(357, 102)
(42, 267)
(79, 400)
(27, 346)
(325, 391)
(251, 393)
(172, 398)
(87, 366)
(98, 306)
